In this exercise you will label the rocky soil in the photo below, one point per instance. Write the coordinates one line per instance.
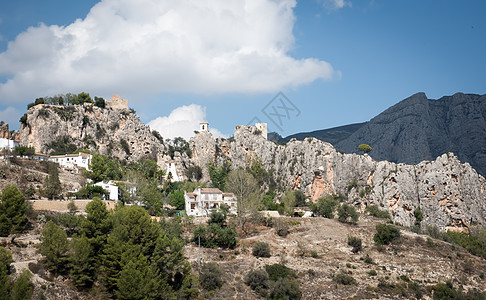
(413, 258)
(31, 174)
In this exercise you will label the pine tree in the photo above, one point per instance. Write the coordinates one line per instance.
(12, 211)
(5, 261)
(23, 287)
(54, 245)
(52, 185)
(82, 262)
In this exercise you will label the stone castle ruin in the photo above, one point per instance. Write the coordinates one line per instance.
(258, 129)
(117, 103)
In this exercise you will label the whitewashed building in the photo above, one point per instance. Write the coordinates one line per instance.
(202, 201)
(112, 188)
(72, 162)
(8, 144)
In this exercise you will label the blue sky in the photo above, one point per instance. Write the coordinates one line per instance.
(338, 62)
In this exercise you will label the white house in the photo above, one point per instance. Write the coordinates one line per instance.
(8, 144)
(202, 201)
(72, 161)
(112, 189)
(171, 168)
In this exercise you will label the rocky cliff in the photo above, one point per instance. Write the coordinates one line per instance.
(449, 193)
(418, 129)
(112, 131)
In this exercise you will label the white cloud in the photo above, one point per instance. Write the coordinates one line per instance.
(335, 4)
(11, 116)
(182, 121)
(144, 47)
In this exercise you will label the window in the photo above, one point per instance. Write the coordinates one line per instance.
(193, 205)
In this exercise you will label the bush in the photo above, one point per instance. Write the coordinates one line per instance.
(347, 214)
(474, 243)
(215, 236)
(374, 211)
(281, 227)
(277, 271)
(258, 281)
(372, 272)
(211, 277)
(364, 148)
(344, 279)
(367, 259)
(355, 243)
(385, 234)
(261, 249)
(286, 289)
(325, 206)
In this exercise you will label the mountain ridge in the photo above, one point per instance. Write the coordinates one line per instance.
(417, 129)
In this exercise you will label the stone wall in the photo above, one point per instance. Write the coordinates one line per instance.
(62, 205)
(117, 103)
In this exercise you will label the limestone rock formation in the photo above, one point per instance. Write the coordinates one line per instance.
(449, 193)
(109, 131)
(417, 129)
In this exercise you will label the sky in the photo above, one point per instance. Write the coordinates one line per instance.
(296, 65)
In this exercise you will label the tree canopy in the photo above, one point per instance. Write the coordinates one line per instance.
(364, 148)
(12, 211)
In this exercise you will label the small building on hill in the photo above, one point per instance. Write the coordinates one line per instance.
(202, 201)
(111, 188)
(72, 162)
(8, 144)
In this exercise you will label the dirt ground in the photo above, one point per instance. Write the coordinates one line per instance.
(413, 259)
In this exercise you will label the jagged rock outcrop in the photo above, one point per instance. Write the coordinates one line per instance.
(6, 134)
(110, 131)
(449, 193)
(417, 129)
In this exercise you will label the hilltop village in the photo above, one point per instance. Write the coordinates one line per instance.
(96, 205)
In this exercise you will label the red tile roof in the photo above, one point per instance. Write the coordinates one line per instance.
(211, 191)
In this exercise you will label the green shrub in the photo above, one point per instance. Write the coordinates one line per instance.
(285, 289)
(372, 272)
(355, 243)
(367, 259)
(374, 211)
(211, 277)
(281, 227)
(385, 234)
(277, 271)
(325, 206)
(474, 243)
(125, 146)
(258, 281)
(215, 236)
(344, 279)
(347, 214)
(364, 148)
(261, 249)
